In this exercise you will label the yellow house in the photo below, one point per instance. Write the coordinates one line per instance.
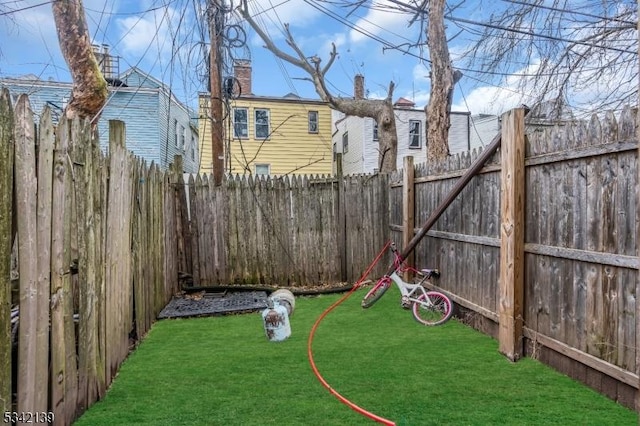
(269, 135)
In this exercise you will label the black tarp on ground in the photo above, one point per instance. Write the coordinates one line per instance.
(205, 304)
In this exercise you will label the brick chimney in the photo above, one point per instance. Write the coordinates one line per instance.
(358, 86)
(242, 73)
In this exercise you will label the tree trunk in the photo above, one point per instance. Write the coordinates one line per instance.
(442, 82)
(380, 110)
(89, 92)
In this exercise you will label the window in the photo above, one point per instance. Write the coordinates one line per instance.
(414, 134)
(193, 147)
(176, 133)
(345, 142)
(262, 123)
(313, 121)
(183, 136)
(263, 169)
(240, 123)
(375, 130)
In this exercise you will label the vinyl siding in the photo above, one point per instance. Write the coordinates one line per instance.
(403, 118)
(40, 95)
(290, 148)
(368, 161)
(172, 113)
(137, 108)
(204, 132)
(136, 78)
(353, 160)
(371, 148)
(459, 140)
(483, 129)
(144, 111)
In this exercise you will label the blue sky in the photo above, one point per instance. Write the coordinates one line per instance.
(165, 39)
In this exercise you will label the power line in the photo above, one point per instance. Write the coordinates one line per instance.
(573, 12)
(513, 30)
(9, 12)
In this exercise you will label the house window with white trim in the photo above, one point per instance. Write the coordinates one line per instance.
(262, 123)
(345, 142)
(415, 141)
(263, 169)
(240, 123)
(375, 131)
(313, 121)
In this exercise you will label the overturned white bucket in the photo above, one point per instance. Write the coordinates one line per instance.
(275, 317)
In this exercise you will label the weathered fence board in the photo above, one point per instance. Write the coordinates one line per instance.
(580, 242)
(6, 242)
(30, 332)
(46, 138)
(63, 380)
(80, 264)
(118, 251)
(284, 231)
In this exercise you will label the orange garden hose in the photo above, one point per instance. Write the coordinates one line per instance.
(313, 332)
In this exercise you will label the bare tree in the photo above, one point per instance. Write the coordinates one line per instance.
(586, 53)
(89, 92)
(380, 110)
(443, 80)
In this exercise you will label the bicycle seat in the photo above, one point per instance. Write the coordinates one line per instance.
(431, 272)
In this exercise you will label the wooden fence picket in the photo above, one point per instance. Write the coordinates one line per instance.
(26, 207)
(6, 243)
(46, 138)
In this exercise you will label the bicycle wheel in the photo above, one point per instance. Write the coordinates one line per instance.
(434, 308)
(376, 292)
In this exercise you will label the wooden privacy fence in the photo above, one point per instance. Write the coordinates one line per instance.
(93, 271)
(541, 246)
(294, 231)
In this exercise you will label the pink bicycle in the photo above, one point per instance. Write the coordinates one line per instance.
(429, 307)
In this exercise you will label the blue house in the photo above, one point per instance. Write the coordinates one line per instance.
(158, 126)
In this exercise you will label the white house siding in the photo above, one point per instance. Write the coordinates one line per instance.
(483, 129)
(459, 140)
(371, 148)
(403, 117)
(364, 158)
(353, 160)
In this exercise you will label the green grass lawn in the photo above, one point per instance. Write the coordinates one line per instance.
(223, 371)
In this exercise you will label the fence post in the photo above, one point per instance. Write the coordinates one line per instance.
(342, 219)
(6, 241)
(637, 135)
(510, 307)
(408, 210)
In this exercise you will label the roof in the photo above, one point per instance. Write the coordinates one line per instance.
(403, 102)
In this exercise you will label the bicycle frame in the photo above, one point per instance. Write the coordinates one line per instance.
(408, 290)
(429, 307)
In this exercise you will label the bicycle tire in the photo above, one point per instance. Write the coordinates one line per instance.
(376, 292)
(436, 311)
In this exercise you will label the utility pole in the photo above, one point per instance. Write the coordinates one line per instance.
(216, 27)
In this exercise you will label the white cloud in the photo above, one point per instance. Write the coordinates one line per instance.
(420, 74)
(139, 33)
(380, 20)
(274, 14)
(498, 99)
